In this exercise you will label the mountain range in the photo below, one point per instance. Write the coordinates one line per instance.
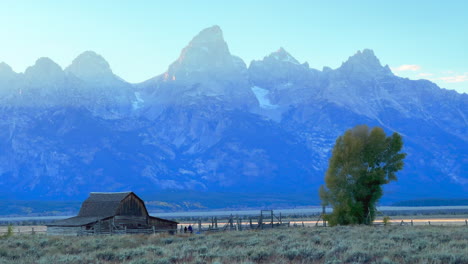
(212, 124)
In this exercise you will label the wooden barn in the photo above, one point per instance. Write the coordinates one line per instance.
(111, 213)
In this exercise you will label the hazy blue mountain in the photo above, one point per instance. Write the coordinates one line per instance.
(102, 92)
(211, 124)
(204, 72)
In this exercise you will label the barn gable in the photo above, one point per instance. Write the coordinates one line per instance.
(132, 205)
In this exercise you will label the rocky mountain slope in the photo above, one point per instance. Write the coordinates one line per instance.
(212, 124)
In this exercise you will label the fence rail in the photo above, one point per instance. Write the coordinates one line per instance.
(124, 231)
(266, 220)
(26, 230)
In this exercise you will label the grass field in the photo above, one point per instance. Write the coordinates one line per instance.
(357, 244)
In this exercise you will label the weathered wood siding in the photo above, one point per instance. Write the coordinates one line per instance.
(101, 226)
(160, 224)
(132, 206)
(63, 230)
(130, 221)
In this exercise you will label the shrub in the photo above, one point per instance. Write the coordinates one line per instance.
(357, 244)
(163, 261)
(386, 220)
(158, 251)
(291, 253)
(130, 253)
(260, 254)
(140, 261)
(359, 257)
(3, 253)
(9, 232)
(106, 255)
(63, 259)
(168, 241)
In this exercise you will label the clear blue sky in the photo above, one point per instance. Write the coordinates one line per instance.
(418, 39)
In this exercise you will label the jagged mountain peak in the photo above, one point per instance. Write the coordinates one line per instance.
(6, 73)
(90, 66)
(5, 68)
(45, 62)
(366, 56)
(207, 52)
(208, 35)
(44, 68)
(364, 62)
(282, 55)
(208, 42)
(279, 58)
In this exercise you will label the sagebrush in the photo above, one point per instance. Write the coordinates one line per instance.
(351, 244)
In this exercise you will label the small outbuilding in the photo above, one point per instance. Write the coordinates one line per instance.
(111, 213)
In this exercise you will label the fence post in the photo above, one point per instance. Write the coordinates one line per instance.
(260, 220)
(216, 222)
(271, 218)
(32, 231)
(466, 222)
(154, 230)
(199, 225)
(411, 222)
(429, 222)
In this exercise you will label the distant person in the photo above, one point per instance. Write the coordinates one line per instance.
(185, 229)
(190, 229)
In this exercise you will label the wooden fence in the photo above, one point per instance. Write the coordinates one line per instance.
(266, 220)
(124, 231)
(26, 230)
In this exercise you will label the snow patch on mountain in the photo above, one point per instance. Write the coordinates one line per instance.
(138, 103)
(262, 97)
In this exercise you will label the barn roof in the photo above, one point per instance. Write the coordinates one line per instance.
(98, 206)
(163, 220)
(102, 204)
(76, 221)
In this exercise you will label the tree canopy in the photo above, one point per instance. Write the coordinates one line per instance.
(362, 161)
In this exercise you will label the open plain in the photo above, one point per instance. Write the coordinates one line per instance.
(352, 244)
